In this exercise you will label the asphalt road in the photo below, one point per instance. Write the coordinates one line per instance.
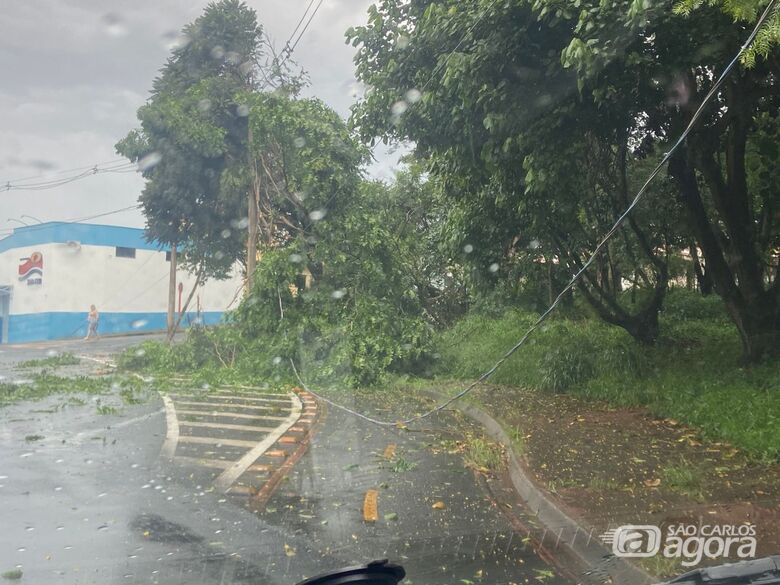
(88, 498)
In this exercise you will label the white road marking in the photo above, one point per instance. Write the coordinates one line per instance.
(234, 397)
(215, 463)
(172, 435)
(216, 441)
(209, 425)
(228, 405)
(231, 415)
(237, 469)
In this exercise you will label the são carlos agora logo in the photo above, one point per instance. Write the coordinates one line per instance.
(31, 269)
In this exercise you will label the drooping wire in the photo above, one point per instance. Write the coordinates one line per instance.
(76, 220)
(297, 26)
(59, 182)
(289, 49)
(488, 373)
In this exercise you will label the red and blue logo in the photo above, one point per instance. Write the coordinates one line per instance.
(31, 269)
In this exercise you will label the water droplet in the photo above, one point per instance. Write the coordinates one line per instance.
(317, 214)
(58, 488)
(226, 233)
(232, 58)
(534, 244)
(493, 267)
(399, 108)
(218, 52)
(242, 223)
(468, 248)
(138, 323)
(413, 95)
(204, 105)
(242, 110)
(52, 353)
(114, 24)
(277, 360)
(299, 142)
(402, 41)
(149, 161)
(338, 294)
(219, 255)
(29, 528)
(173, 40)
(21, 549)
(296, 258)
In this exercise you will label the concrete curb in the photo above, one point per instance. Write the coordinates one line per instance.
(579, 541)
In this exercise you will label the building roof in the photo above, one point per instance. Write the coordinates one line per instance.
(88, 234)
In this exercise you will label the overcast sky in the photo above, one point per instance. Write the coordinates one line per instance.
(74, 73)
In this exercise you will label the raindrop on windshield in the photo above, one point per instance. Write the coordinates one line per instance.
(296, 258)
(468, 248)
(402, 42)
(413, 96)
(226, 233)
(242, 110)
(140, 352)
(277, 360)
(218, 52)
(138, 323)
(149, 161)
(493, 267)
(232, 58)
(338, 294)
(399, 108)
(204, 105)
(317, 214)
(114, 24)
(175, 40)
(299, 142)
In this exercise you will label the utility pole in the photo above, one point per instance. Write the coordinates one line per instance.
(172, 291)
(252, 203)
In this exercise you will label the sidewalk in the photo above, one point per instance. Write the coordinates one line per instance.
(605, 467)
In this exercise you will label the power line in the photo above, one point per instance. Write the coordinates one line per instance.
(54, 183)
(487, 374)
(289, 49)
(77, 220)
(63, 171)
(297, 26)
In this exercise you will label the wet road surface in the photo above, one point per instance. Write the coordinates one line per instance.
(103, 499)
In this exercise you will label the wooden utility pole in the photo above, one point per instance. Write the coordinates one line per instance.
(252, 203)
(172, 291)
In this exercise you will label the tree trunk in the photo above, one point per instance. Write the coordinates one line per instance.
(172, 334)
(252, 202)
(172, 291)
(758, 323)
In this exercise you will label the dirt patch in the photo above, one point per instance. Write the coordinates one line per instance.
(612, 466)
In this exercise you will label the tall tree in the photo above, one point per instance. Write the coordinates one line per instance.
(480, 87)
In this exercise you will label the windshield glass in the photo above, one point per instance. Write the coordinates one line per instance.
(487, 289)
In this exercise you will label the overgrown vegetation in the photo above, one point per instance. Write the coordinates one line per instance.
(690, 375)
(53, 361)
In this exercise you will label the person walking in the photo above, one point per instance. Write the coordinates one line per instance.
(92, 323)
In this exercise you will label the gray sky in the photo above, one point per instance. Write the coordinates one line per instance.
(75, 71)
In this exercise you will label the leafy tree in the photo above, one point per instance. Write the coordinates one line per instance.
(483, 89)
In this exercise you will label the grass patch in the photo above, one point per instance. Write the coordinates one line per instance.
(684, 479)
(483, 454)
(12, 575)
(399, 465)
(45, 384)
(62, 359)
(692, 374)
(34, 438)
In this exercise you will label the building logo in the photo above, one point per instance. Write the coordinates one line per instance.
(31, 269)
(688, 542)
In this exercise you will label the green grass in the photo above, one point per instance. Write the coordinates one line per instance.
(399, 465)
(483, 454)
(684, 479)
(12, 575)
(45, 384)
(62, 359)
(692, 374)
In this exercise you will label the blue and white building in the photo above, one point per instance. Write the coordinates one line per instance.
(52, 272)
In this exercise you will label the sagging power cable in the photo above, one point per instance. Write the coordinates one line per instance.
(543, 317)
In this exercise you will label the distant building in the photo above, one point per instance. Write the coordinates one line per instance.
(52, 272)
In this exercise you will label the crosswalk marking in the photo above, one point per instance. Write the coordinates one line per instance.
(228, 405)
(216, 441)
(234, 397)
(208, 425)
(231, 415)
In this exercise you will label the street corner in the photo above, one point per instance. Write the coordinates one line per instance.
(240, 441)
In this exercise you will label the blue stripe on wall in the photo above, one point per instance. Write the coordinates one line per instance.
(85, 233)
(55, 325)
